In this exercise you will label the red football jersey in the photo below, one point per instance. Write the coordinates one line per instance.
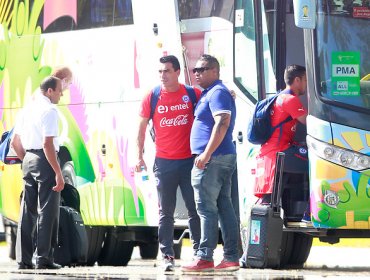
(172, 120)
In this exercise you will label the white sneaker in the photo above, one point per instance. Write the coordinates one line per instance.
(168, 263)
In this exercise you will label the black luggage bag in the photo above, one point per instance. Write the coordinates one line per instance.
(266, 227)
(72, 238)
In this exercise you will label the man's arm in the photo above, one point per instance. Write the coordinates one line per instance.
(16, 144)
(51, 156)
(302, 119)
(140, 140)
(222, 122)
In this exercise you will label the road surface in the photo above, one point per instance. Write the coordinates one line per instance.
(324, 262)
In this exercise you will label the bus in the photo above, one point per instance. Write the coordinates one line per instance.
(113, 48)
(331, 39)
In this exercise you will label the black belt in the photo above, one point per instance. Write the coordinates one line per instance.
(37, 150)
(34, 150)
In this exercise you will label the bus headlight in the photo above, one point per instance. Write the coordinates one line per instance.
(345, 158)
(337, 155)
(363, 161)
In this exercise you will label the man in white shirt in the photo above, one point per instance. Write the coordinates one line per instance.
(36, 144)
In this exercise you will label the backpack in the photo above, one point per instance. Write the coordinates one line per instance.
(260, 128)
(7, 154)
(154, 100)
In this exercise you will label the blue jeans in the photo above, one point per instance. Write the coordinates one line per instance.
(171, 174)
(212, 191)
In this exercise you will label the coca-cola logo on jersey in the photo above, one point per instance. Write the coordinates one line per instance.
(179, 120)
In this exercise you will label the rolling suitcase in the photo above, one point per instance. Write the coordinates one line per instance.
(72, 238)
(266, 227)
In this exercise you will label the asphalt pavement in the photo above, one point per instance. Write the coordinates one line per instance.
(324, 262)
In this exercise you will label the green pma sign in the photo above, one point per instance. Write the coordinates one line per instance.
(345, 74)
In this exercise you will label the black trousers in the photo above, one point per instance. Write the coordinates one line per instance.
(39, 211)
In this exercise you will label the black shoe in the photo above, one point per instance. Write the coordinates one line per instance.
(25, 266)
(48, 266)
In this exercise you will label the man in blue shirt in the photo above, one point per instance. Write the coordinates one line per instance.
(215, 162)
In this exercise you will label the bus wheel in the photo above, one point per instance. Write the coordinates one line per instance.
(177, 248)
(287, 242)
(95, 236)
(302, 247)
(114, 251)
(149, 251)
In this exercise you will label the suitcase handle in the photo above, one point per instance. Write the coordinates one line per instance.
(278, 177)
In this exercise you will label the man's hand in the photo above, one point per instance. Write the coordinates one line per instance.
(139, 164)
(233, 94)
(60, 183)
(201, 160)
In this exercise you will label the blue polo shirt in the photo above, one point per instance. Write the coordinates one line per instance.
(214, 100)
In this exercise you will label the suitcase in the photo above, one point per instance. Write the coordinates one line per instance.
(72, 238)
(266, 227)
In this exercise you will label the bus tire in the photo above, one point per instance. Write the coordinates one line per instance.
(149, 250)
(95, 236)
(287, 242)
(115, 252)
(302, 247)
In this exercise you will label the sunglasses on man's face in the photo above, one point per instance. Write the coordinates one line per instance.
(200, 69)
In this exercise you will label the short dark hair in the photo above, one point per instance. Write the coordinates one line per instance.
(293, 71)
(171, 59)
(212, 62)
(49, 82)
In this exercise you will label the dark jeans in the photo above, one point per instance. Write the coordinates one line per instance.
(170, 174)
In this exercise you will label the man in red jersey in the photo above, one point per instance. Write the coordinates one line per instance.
(172, 120)
(296, 160)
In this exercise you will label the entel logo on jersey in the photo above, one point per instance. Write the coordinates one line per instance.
(164, 109)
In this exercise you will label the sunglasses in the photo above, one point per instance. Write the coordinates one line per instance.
(200, 69)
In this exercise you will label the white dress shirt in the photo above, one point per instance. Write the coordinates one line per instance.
(39, 119)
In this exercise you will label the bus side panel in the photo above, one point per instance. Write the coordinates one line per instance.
(99, 109)
(340, 196)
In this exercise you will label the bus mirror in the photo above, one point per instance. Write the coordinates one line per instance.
(305, 13)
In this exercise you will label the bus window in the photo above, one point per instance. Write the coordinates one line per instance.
(245, 62)
(122, 12)
(343, 69)
(189, 9)
(100, 12)
(90, 14)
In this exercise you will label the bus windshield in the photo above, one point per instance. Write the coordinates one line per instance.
(342, 30)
